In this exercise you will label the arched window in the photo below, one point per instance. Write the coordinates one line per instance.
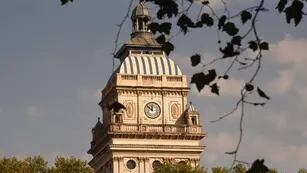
(117, 119)
(194, 121)
(141, 24)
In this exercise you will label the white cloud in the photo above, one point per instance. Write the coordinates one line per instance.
(34, 112)
(231, 86)
(283, 83)
(303, 97)
(293, 53)
(276, 153)
(291, 50)
(216, 146)
(278, 119)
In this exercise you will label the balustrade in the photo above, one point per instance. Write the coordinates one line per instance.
(154, 128)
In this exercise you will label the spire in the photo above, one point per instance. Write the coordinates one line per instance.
(141, 36)
(191, 108)
(140, 18)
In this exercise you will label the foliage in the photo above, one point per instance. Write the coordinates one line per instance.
(257, 167)
(169, 167)
(34, 164)
(70, 165)
(37, 164)
(302, 170)
(220, 170)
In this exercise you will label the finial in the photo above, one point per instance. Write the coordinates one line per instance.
(98, 119)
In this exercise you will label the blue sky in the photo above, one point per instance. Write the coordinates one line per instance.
(54, 60)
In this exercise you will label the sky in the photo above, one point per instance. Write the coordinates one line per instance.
(54, 60)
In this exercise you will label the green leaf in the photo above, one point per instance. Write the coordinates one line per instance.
(264, 46)
(295, 12)
(205, 2)
(197, 79)
(195, 60)
(249, 87)
(262, 94)
(168, 8)
(184, 22)
(201, 79)
(168, 47)
(236, 40)
(258, 167)
(222, 21)
(165, 27)
(215, 89)
(154, 27)
(161, 39)
(281, 5)
(66, 1)
(228, 51)
(230, 28)
(245, 16)
(206, 19)
(253, 45)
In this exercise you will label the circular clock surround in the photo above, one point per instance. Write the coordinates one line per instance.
(152, 110)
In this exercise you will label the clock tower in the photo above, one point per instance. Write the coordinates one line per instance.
(146, 118)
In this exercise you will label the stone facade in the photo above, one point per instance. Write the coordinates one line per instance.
(146, 117)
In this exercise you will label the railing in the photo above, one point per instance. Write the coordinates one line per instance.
(129, 77)
(174, 79)
(154, 128)
(152, 78)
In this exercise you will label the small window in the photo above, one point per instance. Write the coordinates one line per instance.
(156, 164)
(193, 120)
(182, 163)
(141, 24)
(117, 119)
(131, 164)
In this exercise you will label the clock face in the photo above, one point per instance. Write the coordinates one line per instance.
(152, 110)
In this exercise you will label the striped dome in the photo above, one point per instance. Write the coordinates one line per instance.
(148, 64)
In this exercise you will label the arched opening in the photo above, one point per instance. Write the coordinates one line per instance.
(117, 119)
(141, 24)
(194, 122)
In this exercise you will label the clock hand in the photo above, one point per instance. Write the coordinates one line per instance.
(150, 108)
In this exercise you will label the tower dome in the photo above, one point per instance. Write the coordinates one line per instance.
(140, 11)
(140, 18)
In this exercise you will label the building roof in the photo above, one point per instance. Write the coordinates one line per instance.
(191, 109)
(144, 39)
(149, 64)
(140, 11)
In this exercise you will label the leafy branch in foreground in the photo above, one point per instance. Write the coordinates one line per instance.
(240, 42)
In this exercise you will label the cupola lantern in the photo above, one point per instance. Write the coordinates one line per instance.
(140, 18)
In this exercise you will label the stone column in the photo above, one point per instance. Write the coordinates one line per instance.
(141, 164)
(115, 165)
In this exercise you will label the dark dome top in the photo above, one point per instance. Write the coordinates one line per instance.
(140, 11)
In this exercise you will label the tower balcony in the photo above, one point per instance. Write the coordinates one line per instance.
(151, 80)
(156, 131)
